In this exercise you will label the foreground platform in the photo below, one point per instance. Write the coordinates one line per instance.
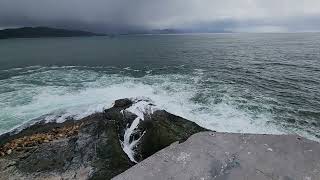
(227, 156)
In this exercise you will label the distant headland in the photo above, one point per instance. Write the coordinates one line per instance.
(38, 32)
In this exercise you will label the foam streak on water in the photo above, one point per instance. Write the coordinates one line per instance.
(61, 92)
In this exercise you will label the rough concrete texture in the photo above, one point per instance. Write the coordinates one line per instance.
(227, 156)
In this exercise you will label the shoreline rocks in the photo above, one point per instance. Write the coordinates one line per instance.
(89, 148)
(20, 143)
(165, 145)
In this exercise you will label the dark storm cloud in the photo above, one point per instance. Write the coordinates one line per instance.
(195, 15)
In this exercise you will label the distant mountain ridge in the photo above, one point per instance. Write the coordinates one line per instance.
(37, 32)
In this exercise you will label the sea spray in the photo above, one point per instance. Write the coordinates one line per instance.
(141, 107)
(69, 91)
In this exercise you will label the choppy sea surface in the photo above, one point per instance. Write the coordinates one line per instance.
(250, 83)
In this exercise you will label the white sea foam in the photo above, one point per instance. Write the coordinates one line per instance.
(169, 92)
(149, 71)
(77, 93)
(139, 108)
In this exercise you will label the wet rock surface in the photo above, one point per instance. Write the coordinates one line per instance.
(99, 147)
(90, 148)
(227, 156)
(161, 129)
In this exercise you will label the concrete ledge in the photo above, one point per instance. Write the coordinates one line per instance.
(227, 156)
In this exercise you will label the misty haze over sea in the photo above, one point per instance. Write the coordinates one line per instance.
(125, 16)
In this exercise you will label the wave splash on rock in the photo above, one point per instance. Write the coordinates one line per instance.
(140, 108)
(99, 146)
(106, 144)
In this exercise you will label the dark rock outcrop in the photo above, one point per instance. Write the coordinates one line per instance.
(162, 129)
(90, 148)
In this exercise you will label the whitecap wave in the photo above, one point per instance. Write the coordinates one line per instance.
(79, 93)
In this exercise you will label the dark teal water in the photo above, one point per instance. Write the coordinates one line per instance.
(256, 83)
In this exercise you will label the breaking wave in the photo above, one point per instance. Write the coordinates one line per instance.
(56, 93)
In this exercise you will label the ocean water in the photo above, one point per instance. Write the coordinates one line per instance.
(250, 83)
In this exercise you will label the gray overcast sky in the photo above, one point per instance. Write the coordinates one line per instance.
(196, 15)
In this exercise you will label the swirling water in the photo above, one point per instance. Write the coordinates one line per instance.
(253, 83)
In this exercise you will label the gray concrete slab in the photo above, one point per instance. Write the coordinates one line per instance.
(227, 156)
